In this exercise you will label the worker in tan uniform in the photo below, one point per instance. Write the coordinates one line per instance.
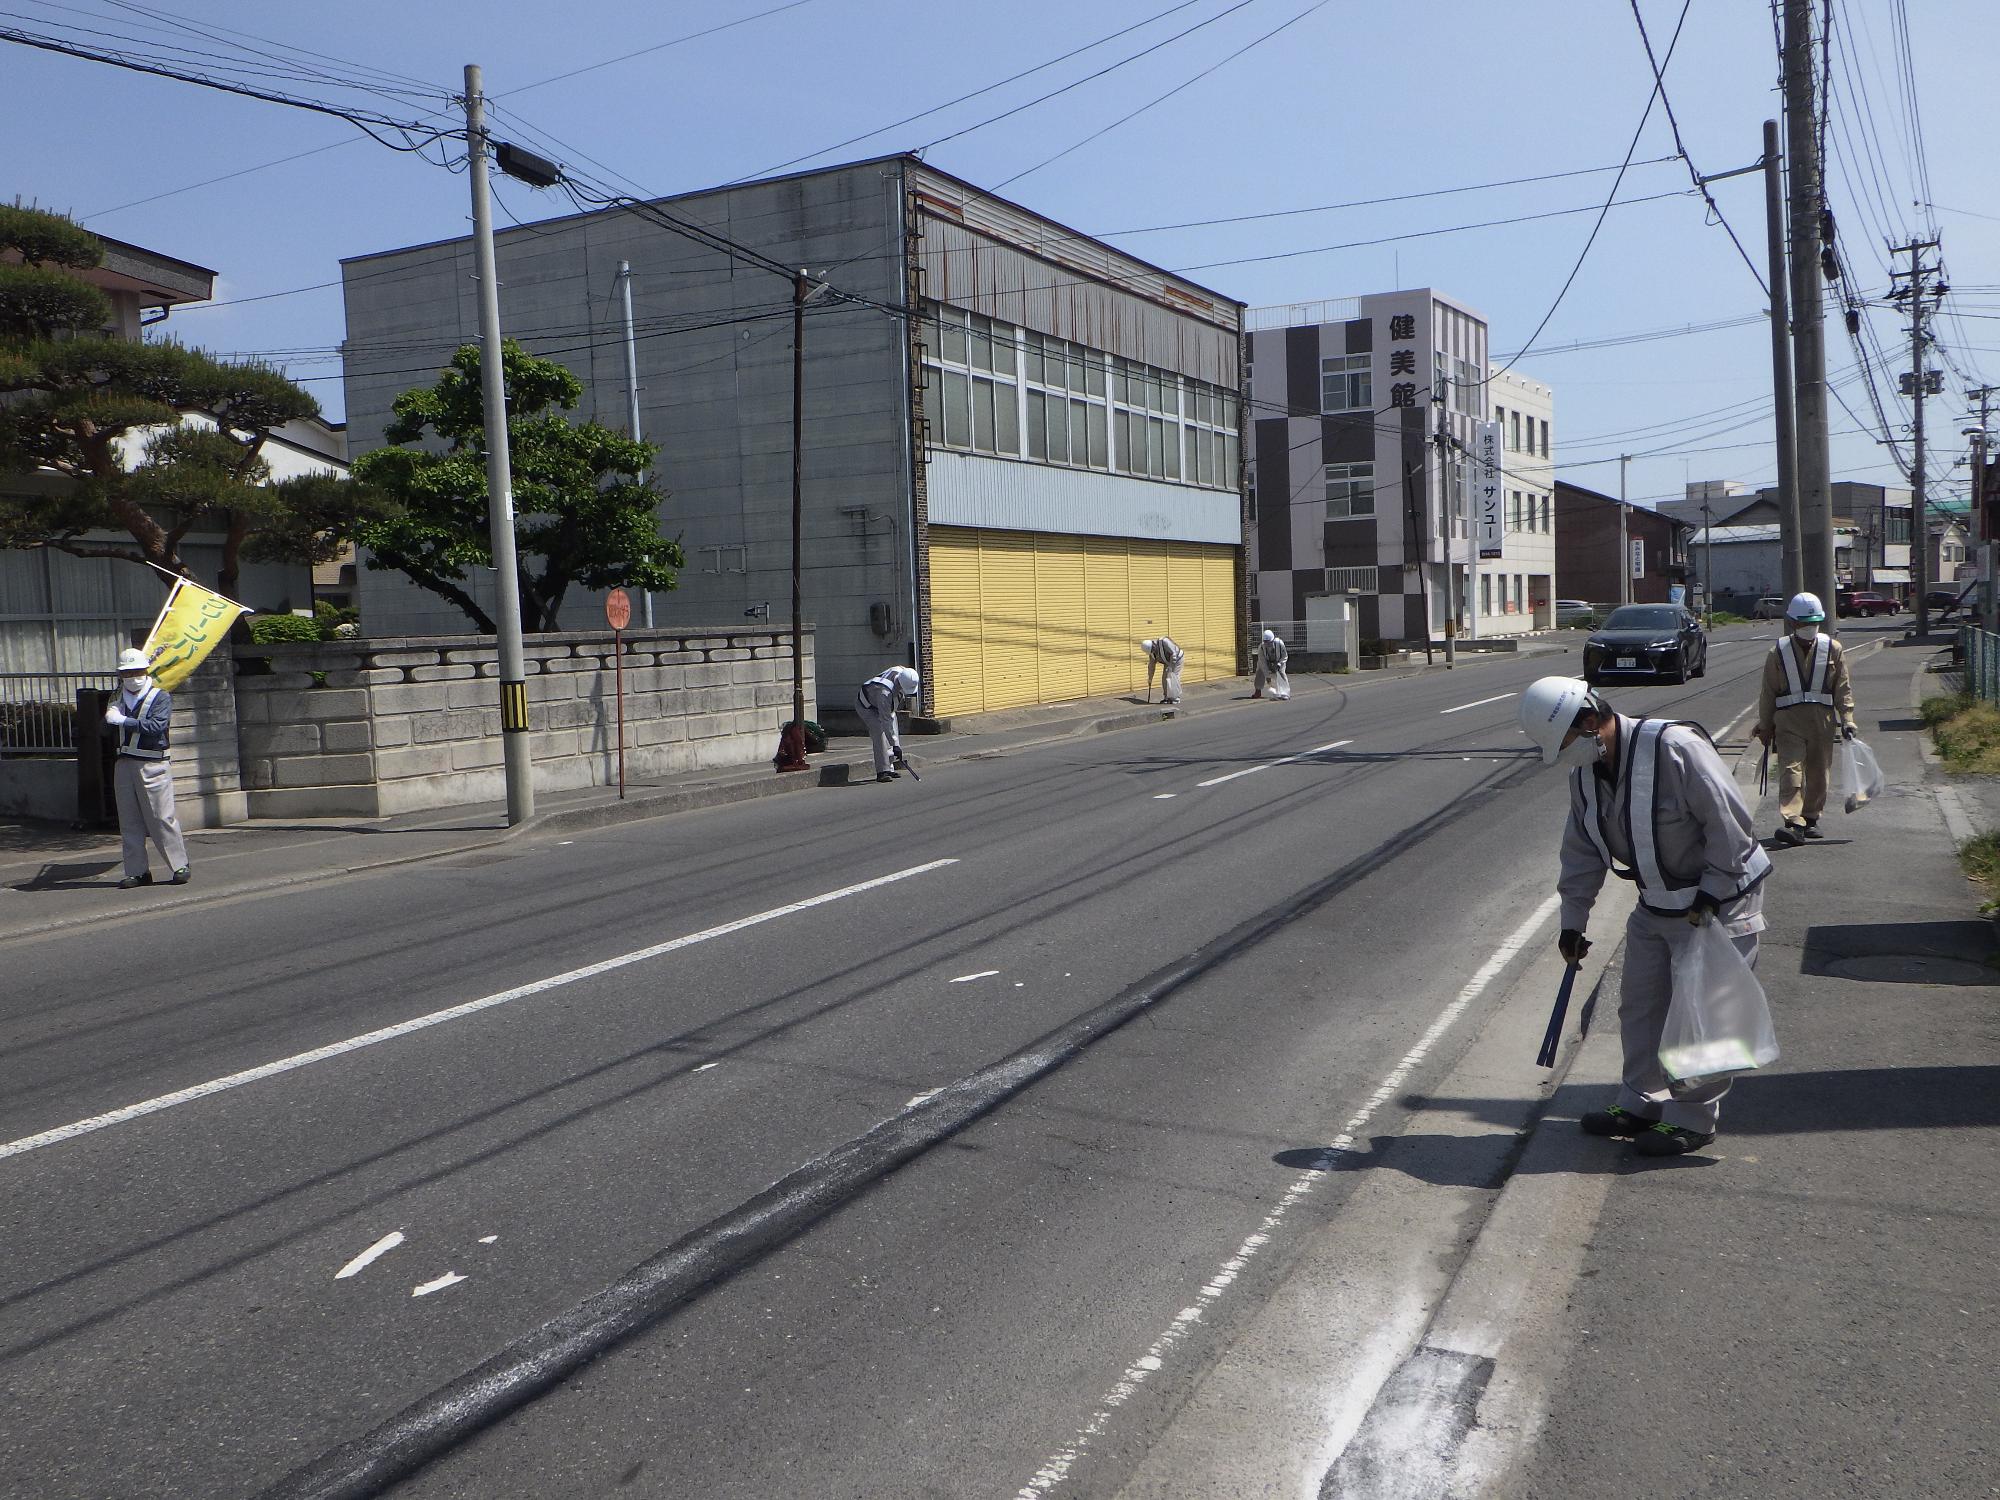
(1804, 703)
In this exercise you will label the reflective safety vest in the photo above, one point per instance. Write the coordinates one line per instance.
(1814, 688)
(137, 743)
(1658, 892)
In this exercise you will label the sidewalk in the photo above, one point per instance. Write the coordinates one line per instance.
(1808, 1307)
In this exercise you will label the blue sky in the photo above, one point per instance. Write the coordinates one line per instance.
(1350, 101)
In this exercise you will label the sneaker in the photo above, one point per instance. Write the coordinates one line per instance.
(1790, 835)
(1662, 1139)
(1811, 831)
(1611, 1120)
(182, 876)
(131, 880)
(887, 776)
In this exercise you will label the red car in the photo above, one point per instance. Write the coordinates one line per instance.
(1865, 604)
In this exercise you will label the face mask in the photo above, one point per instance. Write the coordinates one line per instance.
(1582, 752)
(135, 685)
(1805, 632)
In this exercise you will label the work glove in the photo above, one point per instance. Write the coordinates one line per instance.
(1705, 906)
(1848, 731)
(114, 715)
(1572, 945)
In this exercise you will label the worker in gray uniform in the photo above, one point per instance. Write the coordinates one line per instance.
(1161, 652)
(1271, 679)
(1650, 801)
(1805, 703)
(878, 702)
(140, 717)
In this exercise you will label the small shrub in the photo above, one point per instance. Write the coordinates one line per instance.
(268, 630)
(1724, 617)
(1979, 857)
(1935, 711)
(1970, 739)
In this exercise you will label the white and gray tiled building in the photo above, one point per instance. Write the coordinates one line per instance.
(1347, 498)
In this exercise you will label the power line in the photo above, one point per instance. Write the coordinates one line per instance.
(1701, 183)
(656, 47)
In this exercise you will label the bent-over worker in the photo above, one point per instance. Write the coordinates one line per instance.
(1161, 652)
(878, 702)
(1651, 802)
(1272, 679)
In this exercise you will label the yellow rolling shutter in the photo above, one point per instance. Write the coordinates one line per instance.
(1062, 657)
(1114, 665)
(957, 655)
(1007, 592)
(1020, 618)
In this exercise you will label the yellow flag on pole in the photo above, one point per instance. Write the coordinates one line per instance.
(191, 622)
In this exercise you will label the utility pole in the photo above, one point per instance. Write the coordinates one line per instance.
(499, 473)
(1708, 562)
(1916, 289)
(1808, 201)
(1781, 364)
(632, 395)
(1989, 604)
(1445, 510)
(1624, 536)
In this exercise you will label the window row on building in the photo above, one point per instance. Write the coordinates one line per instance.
(1504, 594)
(1518, 429)
(991, 387)
(1527, 511)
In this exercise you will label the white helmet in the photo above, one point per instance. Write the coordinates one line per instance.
(1549, 709)
(1270, 635)
(131, 659)
(906, 681)
(1805, 607)
(1146, 645)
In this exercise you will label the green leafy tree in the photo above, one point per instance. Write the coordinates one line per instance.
(98, 433)
(583, 517)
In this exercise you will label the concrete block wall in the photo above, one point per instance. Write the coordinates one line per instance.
(373, 727)
(208, 785)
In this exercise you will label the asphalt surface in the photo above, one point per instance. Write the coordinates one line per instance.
(171, 1322)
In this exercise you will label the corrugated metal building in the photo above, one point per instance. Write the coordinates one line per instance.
(1008, 488)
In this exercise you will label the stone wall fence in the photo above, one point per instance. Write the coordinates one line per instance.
(374, 726)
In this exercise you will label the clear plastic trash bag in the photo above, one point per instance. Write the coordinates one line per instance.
(1857, 775)
(1718, 1021)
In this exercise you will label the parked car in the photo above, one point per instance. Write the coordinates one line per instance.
(1861, 602)
(1661, 641)
(1771, 608)
(1945, 602)
(1574, 612)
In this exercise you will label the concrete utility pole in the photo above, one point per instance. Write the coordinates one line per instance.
(1989, 611)
(632, 394)
(1783, 401)
(1808, 199)
(1916, 289)
(499, 473)
(1624, 536)
(1446, 508)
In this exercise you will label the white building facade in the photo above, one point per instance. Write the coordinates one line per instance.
(1516, 590)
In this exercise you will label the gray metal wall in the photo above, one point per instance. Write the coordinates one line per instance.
(716, 398)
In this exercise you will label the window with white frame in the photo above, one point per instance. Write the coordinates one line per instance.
(1514, 431)
(1486, 593)
(1545, 438)
(1146, 413)
(971, 394)
(1068, 420)
(1350, 491)
(1345, 383)
(1208, 435)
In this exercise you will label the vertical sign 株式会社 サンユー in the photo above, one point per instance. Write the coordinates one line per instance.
(1486, 488)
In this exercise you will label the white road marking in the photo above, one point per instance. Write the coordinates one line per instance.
(706, 1066)
(369, 1256)
(450, 1278)
(1165, 796)
(1288, 760)
(1057, 1468)
(1496, 698)
(298, 1060)
(982, 974)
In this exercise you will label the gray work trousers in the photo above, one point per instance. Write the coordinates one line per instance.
(145, 793)
(1642, 1016)
(877, 707)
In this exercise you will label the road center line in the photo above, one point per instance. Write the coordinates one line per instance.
(1253, 770)
(439, 1017)
(1056, 1469)
(1496, 698)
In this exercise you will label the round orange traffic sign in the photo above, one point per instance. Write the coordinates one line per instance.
(618, 609)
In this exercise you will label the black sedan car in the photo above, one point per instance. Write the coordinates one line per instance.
(1658, 641)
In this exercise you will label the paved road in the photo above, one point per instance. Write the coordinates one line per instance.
(171, 1322)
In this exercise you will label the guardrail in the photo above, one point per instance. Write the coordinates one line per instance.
(1979, 662)
(38, 710)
